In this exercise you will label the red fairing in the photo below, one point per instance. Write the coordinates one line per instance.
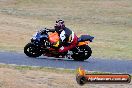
(72, 45)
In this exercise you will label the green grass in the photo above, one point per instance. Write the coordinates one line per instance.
(47, 69)
(109, 21)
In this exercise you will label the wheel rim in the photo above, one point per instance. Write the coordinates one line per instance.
(31, 50)
(82, 53)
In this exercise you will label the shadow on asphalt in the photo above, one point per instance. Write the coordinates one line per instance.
(60, 59)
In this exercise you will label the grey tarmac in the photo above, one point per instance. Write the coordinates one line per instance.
(92, 64)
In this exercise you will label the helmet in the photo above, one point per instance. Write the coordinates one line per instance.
(59, 25)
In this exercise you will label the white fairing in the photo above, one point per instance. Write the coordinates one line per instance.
(62, 35)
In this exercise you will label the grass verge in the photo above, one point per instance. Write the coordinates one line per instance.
(48, 69)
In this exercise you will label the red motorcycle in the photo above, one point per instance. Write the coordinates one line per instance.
(47, 44)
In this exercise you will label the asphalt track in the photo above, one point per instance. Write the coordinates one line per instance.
(92, 64)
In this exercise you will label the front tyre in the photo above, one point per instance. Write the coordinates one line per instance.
(32, 51)
(82, 53)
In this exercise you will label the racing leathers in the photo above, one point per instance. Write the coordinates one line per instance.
(68, 39)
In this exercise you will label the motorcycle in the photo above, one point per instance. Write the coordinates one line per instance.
(47, 44)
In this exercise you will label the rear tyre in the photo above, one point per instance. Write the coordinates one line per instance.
(32, 51)
(82, 53)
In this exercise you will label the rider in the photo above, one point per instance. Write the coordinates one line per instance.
(67, 37)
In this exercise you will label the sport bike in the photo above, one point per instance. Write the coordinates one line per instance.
(46, 43)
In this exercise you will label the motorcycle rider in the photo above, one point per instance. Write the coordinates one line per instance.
(67, 37)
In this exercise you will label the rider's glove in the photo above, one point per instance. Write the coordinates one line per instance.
(44, 31)
(62, 48)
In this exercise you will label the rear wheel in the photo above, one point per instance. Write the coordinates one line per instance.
(32, 51)
(82, 53)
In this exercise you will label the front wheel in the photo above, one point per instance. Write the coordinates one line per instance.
(82, 53)
(32, 51)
